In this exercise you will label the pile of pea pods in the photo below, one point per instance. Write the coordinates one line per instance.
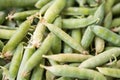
(59, 39)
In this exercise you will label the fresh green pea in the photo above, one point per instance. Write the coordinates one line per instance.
(87, 38)
(23, 15)
(116, 9)
(78, 23)
(29, 50)
(115, 22)
(15, 63)
(1, 45)
(40, 3)
(81, 2)
(108, 35)
(109, 71)
(92, 3)
(65, 37)
(16, 38)
(79, 11)
(35, 59)
(100, 59)
(74, 72)
(2, 17)
(71, 57)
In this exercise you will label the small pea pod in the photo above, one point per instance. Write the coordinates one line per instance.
(1, 45)
(16, 38)
(100, 59)
(70, 3)
(2, 17)
(115, 22)
(41, 3)
(116, 9)
(113, 72)
(71, 57)
(65, 37)
(74, 72)
(108, 35)
(15, 63)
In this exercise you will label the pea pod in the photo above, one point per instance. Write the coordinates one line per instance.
(115, 9)
(115, 22)
(1, 45)
(2, 17)
(74, 72)
(92, 3)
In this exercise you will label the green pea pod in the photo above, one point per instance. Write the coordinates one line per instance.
(71, 57)
(1, 45)
(108, 35)
(79, 11)
(116, 9)
(78, 23)
(109, 71)
(115, 22)
(2, 17)
(16, 38)
(15, 63)
(65, 37)
(41, 3)
(70, 3)
(74, 72)
(100, 59)
(35, 59)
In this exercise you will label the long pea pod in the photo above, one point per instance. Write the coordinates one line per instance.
(65, 37)
(74, 72)
(15, 63)
(16, 38)
(113, 72)
(100, 59)
(108, 35)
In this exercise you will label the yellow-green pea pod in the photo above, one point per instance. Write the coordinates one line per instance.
(100, 59)
(1, 45)
(108, 20)
(23, 15)
(16, 38)
(40, 3)
(79, 11)
(35, 59)
(100, 12)
(108, 5)
(87, 38)
(37, 73)
(113, 72)
(116, 9)
(65, 37)
(81, 2)
(15, 63)
(56, 45)
(2, 17)
(29, 50)
(115, 22)
(70, 57)
(99, 45)
(92, 3)
(74, 72)
(6, 34)
(78, 23)
(106, 34)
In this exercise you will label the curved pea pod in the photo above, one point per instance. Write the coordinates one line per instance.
(108, 20)
(108, 5)
(29, 50)
(35, 59)
(87, 38)
(92, 3)
(1, 45)
(108, 35)
(113, 72)
(16, 3)
(6, 34)
(100, 12)
(71, 57)
(81, 2)
(116, 9)
(78, 23)
(56, 45)
(115, 22)
(2, 17)
(79, 11)
(100, 59)
(15, 63)
(16, 38)
(74, 72)
(23, 15)
(65, 37)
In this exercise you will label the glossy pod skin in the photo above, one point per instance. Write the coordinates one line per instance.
(108, 35)
(100, 59)
(74, 72)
